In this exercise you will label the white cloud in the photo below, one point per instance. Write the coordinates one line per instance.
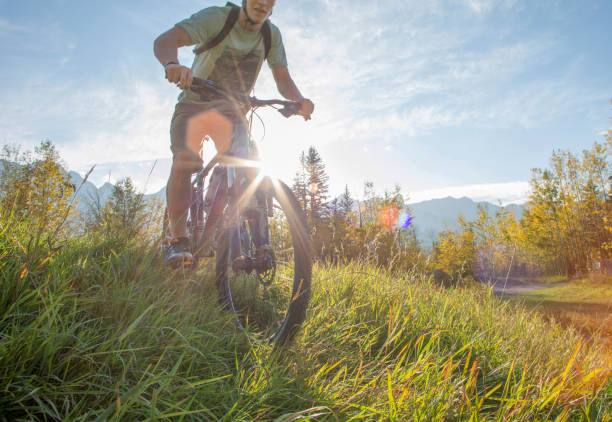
(373, 73)
(122, 124)
(377, 72)
(6, 26)
(125, 122)
(482, 7)
(406, 68)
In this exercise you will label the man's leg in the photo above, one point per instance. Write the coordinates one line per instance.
(188, 131)
(178, 192)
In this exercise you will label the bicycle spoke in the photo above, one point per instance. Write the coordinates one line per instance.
(269, 284)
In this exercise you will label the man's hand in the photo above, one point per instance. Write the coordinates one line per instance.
(306, 108)
(182, 76)
(165, 48)
(287, 89)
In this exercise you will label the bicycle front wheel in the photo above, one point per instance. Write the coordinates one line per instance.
(268, 285)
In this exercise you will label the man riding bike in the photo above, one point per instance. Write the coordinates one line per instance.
(233, 42)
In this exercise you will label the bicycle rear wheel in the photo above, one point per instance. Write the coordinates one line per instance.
(268, 287)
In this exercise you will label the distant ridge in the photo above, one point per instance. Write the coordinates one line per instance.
(435, 215)
(429, 217)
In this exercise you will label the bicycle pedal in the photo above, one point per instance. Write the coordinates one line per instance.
(210, 253)
(242, 263)
(182, 263)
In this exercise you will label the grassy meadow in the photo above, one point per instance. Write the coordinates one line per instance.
(99, 329)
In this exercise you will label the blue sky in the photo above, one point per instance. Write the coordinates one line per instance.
(458, 97)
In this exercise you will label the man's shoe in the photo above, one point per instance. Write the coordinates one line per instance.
(179, 251)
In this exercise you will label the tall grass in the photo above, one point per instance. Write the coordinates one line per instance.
(100, 329)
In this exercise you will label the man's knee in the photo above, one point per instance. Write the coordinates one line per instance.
(185, 160)
(223, 145)
(212, 124)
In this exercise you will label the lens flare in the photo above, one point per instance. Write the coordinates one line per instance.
(388, 216)
(404, 220)
(393, 217)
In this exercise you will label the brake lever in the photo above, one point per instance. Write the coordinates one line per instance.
(290, 110)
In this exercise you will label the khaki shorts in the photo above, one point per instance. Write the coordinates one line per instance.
(241, 145)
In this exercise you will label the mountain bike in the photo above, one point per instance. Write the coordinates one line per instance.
(256, 230)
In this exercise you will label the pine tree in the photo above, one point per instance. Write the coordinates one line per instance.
(346, 202)
(299, 182)
(316, 184)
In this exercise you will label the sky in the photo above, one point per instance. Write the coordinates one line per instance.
(443, 98)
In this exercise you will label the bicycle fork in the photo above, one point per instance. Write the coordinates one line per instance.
(247, 247)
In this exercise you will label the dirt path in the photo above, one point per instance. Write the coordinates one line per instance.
(514, 286)
(585, 307)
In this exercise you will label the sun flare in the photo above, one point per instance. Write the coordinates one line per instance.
(271, 162)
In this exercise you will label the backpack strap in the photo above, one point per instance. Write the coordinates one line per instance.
(231, 20)
(266, 32)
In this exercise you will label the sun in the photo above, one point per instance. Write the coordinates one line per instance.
(271, 161)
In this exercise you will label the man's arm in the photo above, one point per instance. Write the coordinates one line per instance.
(289, 90)
(166, 48)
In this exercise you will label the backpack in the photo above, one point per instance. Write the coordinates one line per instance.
(231, 20)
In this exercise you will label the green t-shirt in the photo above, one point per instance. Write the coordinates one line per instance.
(236, 61)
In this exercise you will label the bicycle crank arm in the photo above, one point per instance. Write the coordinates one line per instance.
(248, 265)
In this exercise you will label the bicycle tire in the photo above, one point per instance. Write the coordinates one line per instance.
(297, 274)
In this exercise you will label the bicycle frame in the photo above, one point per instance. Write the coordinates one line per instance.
(234, 210)
(228, 199)
(227, 192)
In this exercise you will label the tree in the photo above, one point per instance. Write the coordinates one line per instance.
(15, 175)
(369, 207)
(454, 252)
(607, 245)
(123, 215)
(568, 209)
(310, 184)
(299, 182)
(346, 202)
(336, 236)
(316, 184)
(36, 186)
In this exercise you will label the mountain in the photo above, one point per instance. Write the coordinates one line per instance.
(433, 216)
(87, 192)
(159, 195)
(429, 217)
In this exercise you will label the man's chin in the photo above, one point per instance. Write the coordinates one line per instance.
(259, 17)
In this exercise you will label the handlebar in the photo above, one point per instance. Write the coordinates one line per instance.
(209, 89)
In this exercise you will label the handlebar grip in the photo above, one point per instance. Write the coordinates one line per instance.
(197, 81)
(198, 84)
(290, 109)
